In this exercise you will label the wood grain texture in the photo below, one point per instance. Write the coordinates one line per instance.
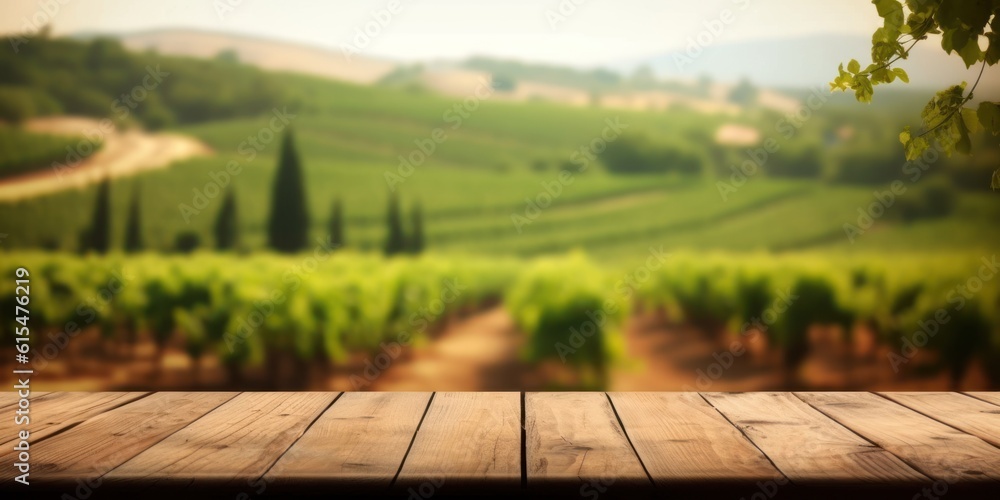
(461, 445)
(989, 397)
(91, 449)
(807, 446)
(232, 446)
(965, 413)
(682, 439)
(574, 439)
(936, 449)
(54, 412)
(359, 443)
(466, 439)
(10, 398)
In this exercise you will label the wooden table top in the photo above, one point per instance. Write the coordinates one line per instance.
(573, 444)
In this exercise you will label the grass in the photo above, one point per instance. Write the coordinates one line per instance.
(349, 137)
(22, 151)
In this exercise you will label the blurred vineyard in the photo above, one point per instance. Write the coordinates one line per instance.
(262, 310)
(21, 151)
(285, 320)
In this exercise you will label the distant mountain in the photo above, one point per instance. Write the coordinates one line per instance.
(809, 61)
(264, 53)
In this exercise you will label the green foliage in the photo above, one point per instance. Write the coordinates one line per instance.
(214, 305)
(569, 308)
(19, 103)
(395, 239)
(187, 242)
(965, 335)
(192, 323)
(416, 240)
(570, 313)
(803, 162)
(336, 224)
(975, 174)
(288, 224)
(813, 301)
(350, 133)
(133, 227)
(22, 151)
(637, 154)
(13, 109)
(93, 78)
(161, 297)
(227, 223)
(98, 236)
(755, 294)
(945, 119)
(933, 198)
(868, 166)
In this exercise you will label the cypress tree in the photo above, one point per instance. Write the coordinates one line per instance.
(226, 236)
(417, 237)
(337, 225)
(288, 224)
(395, 240)
(133, 228)
(99, 234)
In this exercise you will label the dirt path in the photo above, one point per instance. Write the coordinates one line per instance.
(123, 153)
(478, 353)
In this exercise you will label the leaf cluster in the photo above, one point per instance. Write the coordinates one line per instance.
(947, 122)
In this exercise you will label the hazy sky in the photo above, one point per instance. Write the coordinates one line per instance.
(583, 33)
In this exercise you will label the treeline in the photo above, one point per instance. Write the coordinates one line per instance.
(837, 146)
(99, 78)
(287, 224)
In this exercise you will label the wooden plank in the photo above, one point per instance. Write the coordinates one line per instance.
(681, 439)
(232, 446)
(466, 439)
(10, 398)
(54, 412)
(968, 414)
(573, 439)
(936, 449)
(358, 443)
(808, 447)
(103, 442)
(989, 397)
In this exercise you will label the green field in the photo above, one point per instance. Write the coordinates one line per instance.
(22, 151)
(494, 159)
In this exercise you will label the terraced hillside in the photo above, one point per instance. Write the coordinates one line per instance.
(489, 168)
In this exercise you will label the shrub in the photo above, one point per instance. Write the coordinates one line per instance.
(637, 155)
(804, 162)
(869, 167)
(15, 105)
(563, 306)
(187, 242)
(934, 198)
(815, 302)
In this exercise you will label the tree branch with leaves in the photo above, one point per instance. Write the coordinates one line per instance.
(946, 120)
